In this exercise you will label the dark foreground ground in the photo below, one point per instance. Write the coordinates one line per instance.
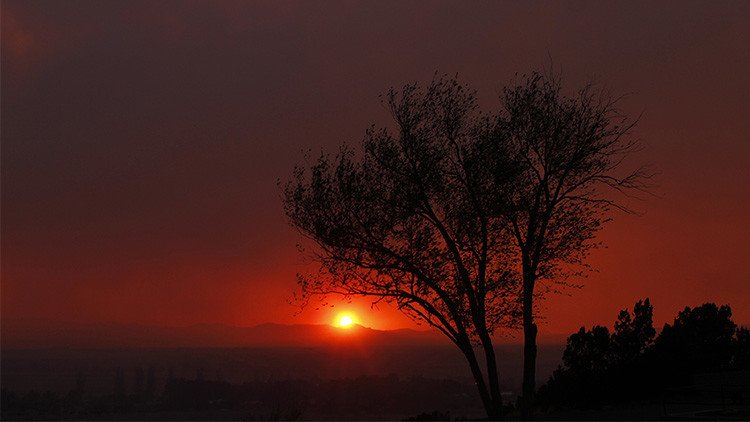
(373, 382)
(386, 383)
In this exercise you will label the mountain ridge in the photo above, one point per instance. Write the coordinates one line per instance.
(54, 334)
(44, 334)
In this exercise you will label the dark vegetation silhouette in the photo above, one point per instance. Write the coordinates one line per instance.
(632, 364)
(462, 218)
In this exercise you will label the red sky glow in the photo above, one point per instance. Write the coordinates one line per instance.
(142, 143)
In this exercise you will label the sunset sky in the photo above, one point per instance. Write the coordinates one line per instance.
(142, 143)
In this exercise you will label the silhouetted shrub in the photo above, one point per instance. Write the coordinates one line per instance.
(699, 340)
(599, 368)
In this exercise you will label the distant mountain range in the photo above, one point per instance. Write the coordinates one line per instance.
(50, 334)
(46, 334)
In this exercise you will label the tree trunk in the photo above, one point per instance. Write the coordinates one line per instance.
(492, 375)
(529, 353)
(491, 406)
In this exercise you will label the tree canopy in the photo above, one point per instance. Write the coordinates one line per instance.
(457, 213)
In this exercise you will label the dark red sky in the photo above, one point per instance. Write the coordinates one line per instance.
(142, 141)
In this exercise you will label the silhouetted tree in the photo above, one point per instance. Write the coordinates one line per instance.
(568, 151)
(458, 214)
(633, 335)
(741, 352)
(586, 361)
(410, 221)
(598, 367)
(587, 352)
(700, 339)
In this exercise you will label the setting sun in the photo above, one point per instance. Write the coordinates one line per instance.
(344, 321)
